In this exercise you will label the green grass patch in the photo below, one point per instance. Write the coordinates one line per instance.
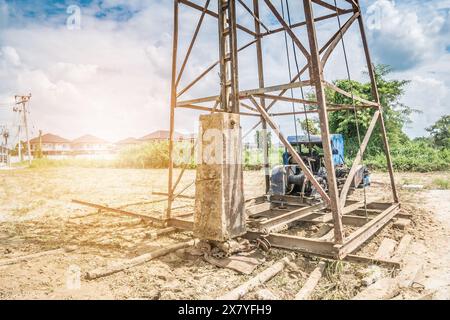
(412, 156)
(441, 184)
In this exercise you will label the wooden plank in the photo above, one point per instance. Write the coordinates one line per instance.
(266, 295)
(403, 247)
(308, 288)
(388, 287)
(381, 290)
(121, 266)
(386, 249)
(261, 278)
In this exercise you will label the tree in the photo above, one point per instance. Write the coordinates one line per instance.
(311, 126)
(259, 138)
(396, 114)
(440, 132)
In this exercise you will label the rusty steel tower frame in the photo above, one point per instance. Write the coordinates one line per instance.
(259, 101)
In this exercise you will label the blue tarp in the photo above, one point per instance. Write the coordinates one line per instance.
(337, 143)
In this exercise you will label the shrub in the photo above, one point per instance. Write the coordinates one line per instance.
(415, 156)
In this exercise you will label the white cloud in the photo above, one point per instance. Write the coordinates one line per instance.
(112, 78)
(429, 92)
(9, 56)
(405, 35)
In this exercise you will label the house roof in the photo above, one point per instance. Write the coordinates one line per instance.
(161, 135)
(128, 141)
(49, 138)
(191, 136)
(89, 139)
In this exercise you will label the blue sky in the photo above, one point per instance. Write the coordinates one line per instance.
(111, 76)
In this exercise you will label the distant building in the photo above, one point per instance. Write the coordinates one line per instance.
(164, 135)
(50, 145)
(126, 143)
(89, 144)
(161, 135)
(4, 156)
(191, 137)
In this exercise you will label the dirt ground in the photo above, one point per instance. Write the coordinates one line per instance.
(36, 214)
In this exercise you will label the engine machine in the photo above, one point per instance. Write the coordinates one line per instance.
(288, 179)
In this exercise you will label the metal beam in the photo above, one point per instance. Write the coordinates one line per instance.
(194, 38)
(360, 236)
(305, 245)
(287, 29)
(120, 211)
(328, 6)
(349, 95)
(376, 96)
(247, 93)
(358, 158)
(213, 14)
(284, 219)
(303, 23)
(261, 82)
(208, 70)
(334, 41)
(173, 104)
(317, 71)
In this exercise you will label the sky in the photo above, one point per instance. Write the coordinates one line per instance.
(103, 66)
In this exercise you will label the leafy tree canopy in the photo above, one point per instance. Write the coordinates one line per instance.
(396, 114)
(440, 132)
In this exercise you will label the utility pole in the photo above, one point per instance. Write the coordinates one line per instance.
(4, 146)
(20, 143)
(38, 154)
(22, 102)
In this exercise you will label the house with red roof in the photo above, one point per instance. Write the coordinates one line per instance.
(89, 144)
(50, 144)
(127, 143)
(161, 135)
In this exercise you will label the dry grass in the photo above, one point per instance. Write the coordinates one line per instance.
(37, 215)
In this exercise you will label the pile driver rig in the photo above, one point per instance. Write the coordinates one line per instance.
(221, 211)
